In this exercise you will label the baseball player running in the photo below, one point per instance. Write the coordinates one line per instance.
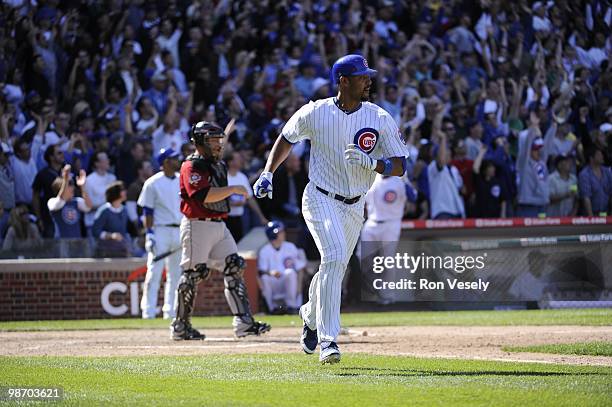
(160, 202)
(351, 140)
(206, 242)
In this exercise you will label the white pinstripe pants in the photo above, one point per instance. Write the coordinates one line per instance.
(335, 227)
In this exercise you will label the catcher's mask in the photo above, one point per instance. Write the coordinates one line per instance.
(209, 136)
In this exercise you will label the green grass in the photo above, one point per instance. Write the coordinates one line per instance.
(585, 348)
(299, 380)
(453, 318)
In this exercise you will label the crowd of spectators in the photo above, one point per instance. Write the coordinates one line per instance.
(504, 106)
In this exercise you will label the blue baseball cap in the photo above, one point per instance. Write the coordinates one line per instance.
(166, 153)
(351, 65)
(273, 228)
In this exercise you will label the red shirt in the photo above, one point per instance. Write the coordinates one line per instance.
(465, 169)
(195, 181)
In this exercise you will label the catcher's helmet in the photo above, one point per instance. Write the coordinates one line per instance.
(350, 65)
(273, 228)
(203, 131)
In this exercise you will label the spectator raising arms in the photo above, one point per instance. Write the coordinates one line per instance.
(533, 173)
(65, 208)
(105, 88)
(444, 180)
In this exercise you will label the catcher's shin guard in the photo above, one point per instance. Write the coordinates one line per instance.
(235, 290)
(238, 300)
(186, 294)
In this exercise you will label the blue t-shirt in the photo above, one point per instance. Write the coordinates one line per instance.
(110, 220)
(67, 220)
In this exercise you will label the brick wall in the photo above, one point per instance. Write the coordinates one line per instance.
(35, 290)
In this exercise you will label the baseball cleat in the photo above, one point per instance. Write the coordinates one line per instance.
(309, 340)
(256, 328)
(188, 334)
(330, 353)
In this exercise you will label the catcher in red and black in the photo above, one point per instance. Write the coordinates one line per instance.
(205, 240)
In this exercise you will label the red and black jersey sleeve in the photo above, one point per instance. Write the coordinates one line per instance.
(194, 185)
(194, 182)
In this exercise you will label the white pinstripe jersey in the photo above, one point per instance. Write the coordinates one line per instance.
(330, 130)
(386, 199)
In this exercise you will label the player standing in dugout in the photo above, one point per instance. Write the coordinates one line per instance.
(351, 140)
(205, 240)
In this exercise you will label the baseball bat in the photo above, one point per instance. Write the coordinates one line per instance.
(166, 254)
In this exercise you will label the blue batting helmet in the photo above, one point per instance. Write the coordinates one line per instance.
(350, 65)
(273, 228)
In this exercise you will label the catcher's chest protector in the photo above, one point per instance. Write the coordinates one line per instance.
(217, 173)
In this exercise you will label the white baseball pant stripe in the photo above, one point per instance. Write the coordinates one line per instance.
(335, 227)
(166, 239)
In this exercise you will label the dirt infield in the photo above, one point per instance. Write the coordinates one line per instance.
(422, 341)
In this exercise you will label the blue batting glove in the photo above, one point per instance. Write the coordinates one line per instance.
(263, 186)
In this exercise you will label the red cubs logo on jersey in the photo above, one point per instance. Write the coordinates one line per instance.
(366, 139)
(288, 263)
(70, 215)
(390, 196)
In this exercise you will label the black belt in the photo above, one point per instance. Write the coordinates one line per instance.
(211, 219)
(172, 225)
(340, 198)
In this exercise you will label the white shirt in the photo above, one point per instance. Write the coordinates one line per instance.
(541, 24)
(96, 189)
(238, 179)
(143, 124)
(127, 81)
(473, 147)
(386, 199)
(162, 194)
(444, 190)
(383, 28)
(161, 139)
(330, 130)
(24, 172)
(171, 44)
(285, 257)
(57, 203)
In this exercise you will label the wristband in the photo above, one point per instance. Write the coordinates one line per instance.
(150, 230)
(388, 166)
